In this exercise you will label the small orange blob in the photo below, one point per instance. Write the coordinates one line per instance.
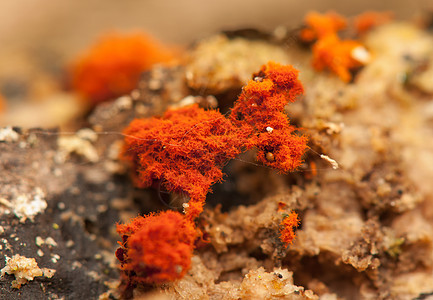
(270, 157)
(281, 206)
(330, 52)
(321, 25)
(336, 55)
(287, 232)
(156, 248)
(112, 66)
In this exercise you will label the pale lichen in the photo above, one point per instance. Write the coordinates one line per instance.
(24, 269)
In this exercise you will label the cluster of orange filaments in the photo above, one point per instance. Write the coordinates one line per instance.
(186, 149)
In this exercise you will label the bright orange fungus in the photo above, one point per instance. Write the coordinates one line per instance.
(185, 151)
(112, 66)
(156, 248)
(321, 25)
(336, 55)
(329, 50)
(287, 233)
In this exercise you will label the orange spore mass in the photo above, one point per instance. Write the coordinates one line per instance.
(112, 66)
(330, 52)
(185, 151)
(287, 233)
(156, 248)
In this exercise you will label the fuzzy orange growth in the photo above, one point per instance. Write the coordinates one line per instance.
(370, 19)
(287, 228)
(281, 206)
(112, 66)
(337, 56)
(321, 25)
(329, 51)
(260, 111)
(156, 248)
(184, 150)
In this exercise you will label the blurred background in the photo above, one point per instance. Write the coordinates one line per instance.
(67, 26)
(38, 38)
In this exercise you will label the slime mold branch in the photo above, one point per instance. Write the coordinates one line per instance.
(186, 149)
